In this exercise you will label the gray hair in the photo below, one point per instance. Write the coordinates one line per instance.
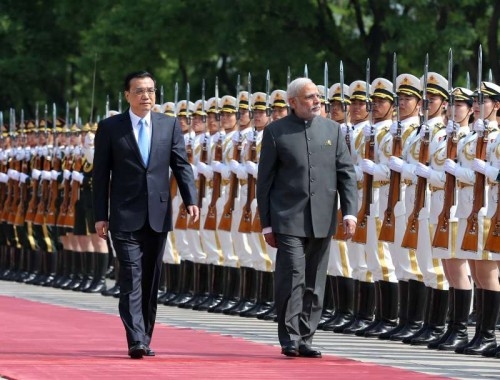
(295, 86)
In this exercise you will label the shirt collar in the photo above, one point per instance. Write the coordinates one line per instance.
(135, 119)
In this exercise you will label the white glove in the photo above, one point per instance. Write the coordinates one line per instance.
(450, 166)
(44, 151)
(367, 130)
(424, 128)
(88, 153)
(234, 165)
(479, 125)
(67, 151)
(221, 168)
(14, 174)
(236, 137)
(394, 128)
(216, 166)
(451, 127)
(20, 155)
(492, 173)
(77, 150)
(251, 168)
(23, 177)
(46, 175)
(35, 174)
(77, 176)
(423, 170)
(53, 175)
(479, 166)
(396, 164)
(241, 172)
(205, 170)
(12, 153)
(66, 174)
(195, 171)
(4, 178)
(251, 136)
(368, 166)
(344, 128)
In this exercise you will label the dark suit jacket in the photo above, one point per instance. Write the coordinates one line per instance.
(301, 171)
(125, 188)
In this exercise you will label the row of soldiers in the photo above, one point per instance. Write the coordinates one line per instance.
(47, 234)
(393, 280)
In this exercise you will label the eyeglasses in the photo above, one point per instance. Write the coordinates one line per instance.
(141, 91)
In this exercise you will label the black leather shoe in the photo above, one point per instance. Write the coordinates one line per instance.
(289, 350)
(137, 350)
(307, 352)
(149, 352)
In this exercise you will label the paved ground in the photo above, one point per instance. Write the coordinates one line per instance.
(366, 350)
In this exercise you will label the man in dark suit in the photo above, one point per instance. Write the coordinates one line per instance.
(133, 153)
(304, 165)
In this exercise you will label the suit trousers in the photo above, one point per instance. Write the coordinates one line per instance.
(140, 256)
(300, 276)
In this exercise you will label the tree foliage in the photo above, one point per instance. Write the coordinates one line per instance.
(52, 49)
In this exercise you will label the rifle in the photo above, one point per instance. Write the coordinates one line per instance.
(201, 185)
(442, 234)
(211, 219)
(182, 219)
(63, 209)
(387, 230)
(13, 185)
(471, 238)
(20, 211)
(364, 212)
(340, 232)
(69, 221)
(37, 164)
(54, 184)
(411, 234)
(246, 219)
(227, 214)
(492, 243)
(15, 197)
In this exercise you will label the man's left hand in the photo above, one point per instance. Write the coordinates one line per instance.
(270, 239)
(349, 228)
(194, 212)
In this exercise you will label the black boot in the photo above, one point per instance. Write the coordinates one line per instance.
(402, 310)
(416, 308)
(62, 270)
(99, 282)
(344, 315)
(264, 300)
(185, 284)
(473, 313)
(22, 271)
(435, 328)
(388, 309)
(110, 271)
(200, 281)
(365, 308)
(70, 263)
(459, 335)
(44, 269)
(355, 309)
(37, 263)
(32, 268)
(269, 314)
(486, 340)
(328, 303)
(52, 258)
(426, 313)
(331, 284)
(215, 283)
(114, 291)
(230, 289)
(162, 288)
(478, 300)
(449, 321)
(88, 271)
(78, 271)
(247, 290)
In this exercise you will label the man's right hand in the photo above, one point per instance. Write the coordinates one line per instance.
(102, 229)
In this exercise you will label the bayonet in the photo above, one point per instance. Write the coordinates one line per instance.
(395, 90)
(204, 117)
(306, 72)
(451, 101)
(46, 117)
(188, 116)
(268, 89)
(77, 115)
(107, 107)
(425, 101)
(238, 99)
(217, 115)
(161, 95)
(176, 97)
(342, 96)
(490, 75)
(249, 90)
(480, 97)
(37, 121)
(288, 77)
(120, 102)
(325, 83)
(367, 93)
(66, 118)
(467, 81)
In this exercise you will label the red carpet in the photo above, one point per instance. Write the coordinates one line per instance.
(40, 341)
